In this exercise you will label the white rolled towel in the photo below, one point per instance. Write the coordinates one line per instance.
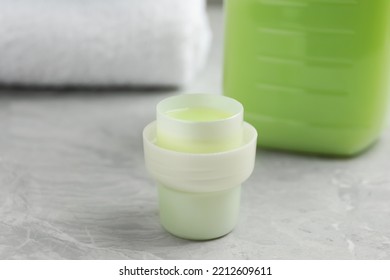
(102, 42)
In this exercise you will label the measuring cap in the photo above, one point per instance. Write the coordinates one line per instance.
(199, 151)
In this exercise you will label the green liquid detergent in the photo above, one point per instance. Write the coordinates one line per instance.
(311, 74)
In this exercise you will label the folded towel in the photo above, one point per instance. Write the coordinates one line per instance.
(100, 42)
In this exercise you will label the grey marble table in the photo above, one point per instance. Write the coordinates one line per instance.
(73, 186)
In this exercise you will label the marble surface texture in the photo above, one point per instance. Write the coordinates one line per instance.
(73, 185)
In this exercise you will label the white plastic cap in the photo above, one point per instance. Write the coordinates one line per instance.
(207, 172)
(199, 166)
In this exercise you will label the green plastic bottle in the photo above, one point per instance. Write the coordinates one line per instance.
(312, 74)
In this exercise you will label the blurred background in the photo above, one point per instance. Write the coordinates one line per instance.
(79, 80)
